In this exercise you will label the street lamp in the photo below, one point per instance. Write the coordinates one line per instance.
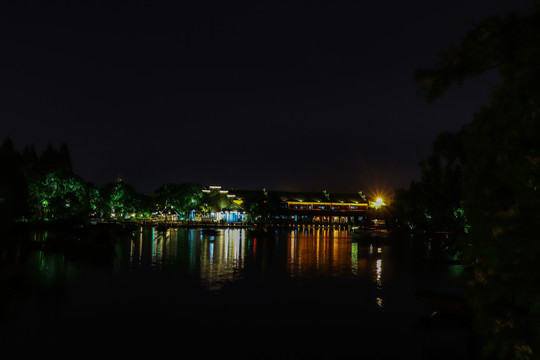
(377, 203)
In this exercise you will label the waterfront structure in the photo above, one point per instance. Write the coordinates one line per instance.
(324, 208)
(240, 207)
(305, 207)
(220, 206)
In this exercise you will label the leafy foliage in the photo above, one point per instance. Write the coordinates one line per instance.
(45, 188)
(182, 197)
(501, 178)
(436, 201)
(261, 206)
(120, 198)
(58, 195)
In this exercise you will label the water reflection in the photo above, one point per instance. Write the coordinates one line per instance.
(378, 274)
(332, 253)
(216, 256)
(322, 280)
(222, 256)
(319, 251)
(379, 282)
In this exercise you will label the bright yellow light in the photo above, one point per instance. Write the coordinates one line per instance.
(377, 203)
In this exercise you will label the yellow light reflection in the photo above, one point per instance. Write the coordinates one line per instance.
(314, 250)
(354, 258)
(379, 282)
(380, 303)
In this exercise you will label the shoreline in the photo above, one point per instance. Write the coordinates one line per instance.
(65, 225)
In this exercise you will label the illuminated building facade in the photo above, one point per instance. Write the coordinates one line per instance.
(309, 207)
(220, 206)
(324, 207)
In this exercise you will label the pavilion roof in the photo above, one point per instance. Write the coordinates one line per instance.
(314, 196)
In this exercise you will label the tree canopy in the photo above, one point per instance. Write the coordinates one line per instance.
(44, 187)
(500, 178)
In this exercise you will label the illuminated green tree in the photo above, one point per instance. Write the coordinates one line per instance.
(182, 197)
(120, 199)
(98, 205)
(144, 205)
(193, 195)
(501, 179)
(58, 195)
(216, 201)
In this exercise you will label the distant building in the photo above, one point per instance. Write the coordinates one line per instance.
(305, 207)
(220, 206)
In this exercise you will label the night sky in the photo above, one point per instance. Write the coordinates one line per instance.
(283, 95)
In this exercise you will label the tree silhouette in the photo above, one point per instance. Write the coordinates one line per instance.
(501, 178)
(13, 190)
(183, 197)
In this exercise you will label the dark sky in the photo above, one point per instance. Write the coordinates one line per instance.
(283, 95)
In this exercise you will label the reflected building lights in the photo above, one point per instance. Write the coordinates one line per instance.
(140, 247)
(156, 249)
(131, 253)
(378, 274)
(380, 304)
(312, 251)
(354, 258)
(318, 248)
(193, 247)
(379, 283)
(221, 256)
(135, 254)
(211, 253)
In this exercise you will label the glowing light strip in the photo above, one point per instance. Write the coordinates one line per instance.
(324, 203)
(315, 204)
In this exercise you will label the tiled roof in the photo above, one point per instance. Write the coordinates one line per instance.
(319, 196)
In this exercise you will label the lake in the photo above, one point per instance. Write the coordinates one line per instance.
(294, 292)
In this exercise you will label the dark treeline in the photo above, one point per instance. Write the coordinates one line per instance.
(435, 203)
(483, 183)
(45, 188)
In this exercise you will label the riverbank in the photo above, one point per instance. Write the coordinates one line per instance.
(65, 235)
(77, 226)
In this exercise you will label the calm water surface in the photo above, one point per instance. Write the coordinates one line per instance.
(295, 293)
